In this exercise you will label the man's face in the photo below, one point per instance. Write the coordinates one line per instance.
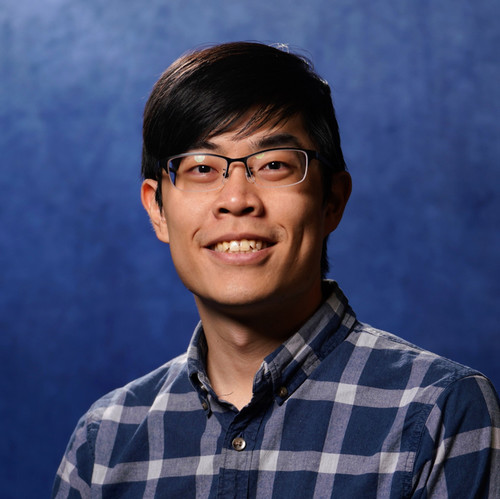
(284, 228)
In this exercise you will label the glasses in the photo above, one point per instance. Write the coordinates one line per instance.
(200, 172)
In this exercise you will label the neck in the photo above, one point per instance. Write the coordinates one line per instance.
(238, 342)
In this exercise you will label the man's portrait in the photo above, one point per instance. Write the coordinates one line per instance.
(282, 392)
(249, 249)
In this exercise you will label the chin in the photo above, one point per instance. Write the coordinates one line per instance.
(238, 296)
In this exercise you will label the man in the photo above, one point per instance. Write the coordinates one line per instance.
(283, 392)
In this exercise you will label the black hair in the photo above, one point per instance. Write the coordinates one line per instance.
(207, 92)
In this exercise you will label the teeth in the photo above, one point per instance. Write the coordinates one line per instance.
(242, 246)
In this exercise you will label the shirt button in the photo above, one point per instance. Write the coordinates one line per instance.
(239, 444)
(283, 392)
(204, 405)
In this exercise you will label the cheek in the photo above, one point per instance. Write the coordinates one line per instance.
(177, 233)
(184, 220)
(183, 216)
(304, 222)
(306, 209)
(182, 254)
(179, 238)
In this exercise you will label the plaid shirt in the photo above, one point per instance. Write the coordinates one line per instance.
(340, 409)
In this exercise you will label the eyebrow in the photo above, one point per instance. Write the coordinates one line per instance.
(275, 140)
(278, 140)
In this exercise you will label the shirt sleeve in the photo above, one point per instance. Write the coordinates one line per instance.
(74, 475)
(459, 453)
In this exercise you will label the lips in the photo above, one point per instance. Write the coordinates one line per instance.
(240, 246)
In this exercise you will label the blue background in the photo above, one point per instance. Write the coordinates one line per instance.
(89, 298)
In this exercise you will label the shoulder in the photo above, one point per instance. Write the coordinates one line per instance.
(395, 353)
(392, 364)
(451, 412)
(113, 421)
(140, 394)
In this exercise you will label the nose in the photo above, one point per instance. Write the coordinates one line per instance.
(239, 195)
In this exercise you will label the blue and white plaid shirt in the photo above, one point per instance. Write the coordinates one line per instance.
(340, 409)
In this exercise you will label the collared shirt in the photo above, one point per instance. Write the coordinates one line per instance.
(340, 409)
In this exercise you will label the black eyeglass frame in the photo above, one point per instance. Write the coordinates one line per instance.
(310, 154)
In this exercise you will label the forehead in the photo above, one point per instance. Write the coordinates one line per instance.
(288, 133)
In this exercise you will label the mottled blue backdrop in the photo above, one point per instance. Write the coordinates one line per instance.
(89, 298)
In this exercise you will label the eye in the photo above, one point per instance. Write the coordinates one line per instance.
(202, 169)
(199, 166)
(275, 165)
(280, 166)
(275, 169)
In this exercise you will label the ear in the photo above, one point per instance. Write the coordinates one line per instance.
(158, 220)
(340, 190)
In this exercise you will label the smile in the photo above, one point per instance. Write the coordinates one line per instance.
(240, 246)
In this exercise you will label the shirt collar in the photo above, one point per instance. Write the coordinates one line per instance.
(292, 362)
